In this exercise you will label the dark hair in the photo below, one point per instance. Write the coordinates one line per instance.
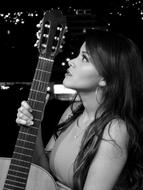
(120, 64)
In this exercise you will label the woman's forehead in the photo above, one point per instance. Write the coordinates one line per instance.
(84, 50)
(83, 47)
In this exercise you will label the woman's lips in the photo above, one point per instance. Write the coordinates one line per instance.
(68, 73)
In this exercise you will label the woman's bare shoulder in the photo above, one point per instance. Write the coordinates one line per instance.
(116, 131)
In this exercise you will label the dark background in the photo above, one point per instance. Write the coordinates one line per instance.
(19, 56)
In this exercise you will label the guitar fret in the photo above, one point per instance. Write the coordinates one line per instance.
(39, 81)
(20, 162)
(38, 94)
(37, 110)
(43, 71)
(19, 166)
(24, 147)
(37, 104)
(15, 181)
(20, 150)
(27, 137)
(27, 144)
(32, 127)
(22, 154)
(46, 59)
(27, 134)
(33, 100)
(38, 91)
(25, 141)
(13, 176)
(17, 172)
(13, 186)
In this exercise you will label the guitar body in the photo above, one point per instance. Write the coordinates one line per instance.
(38, 178)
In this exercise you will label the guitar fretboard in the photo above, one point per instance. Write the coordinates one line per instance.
(25, 144)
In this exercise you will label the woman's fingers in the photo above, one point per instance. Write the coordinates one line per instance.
(24, 115)
(26, 105)
(24, 122)
(25, 109)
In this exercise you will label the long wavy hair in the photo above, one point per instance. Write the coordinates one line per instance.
(120, 64)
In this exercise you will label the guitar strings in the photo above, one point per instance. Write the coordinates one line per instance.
(40, 76)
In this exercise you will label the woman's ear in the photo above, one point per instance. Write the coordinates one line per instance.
(102, 83)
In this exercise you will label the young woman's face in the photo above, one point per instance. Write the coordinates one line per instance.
(82, 74)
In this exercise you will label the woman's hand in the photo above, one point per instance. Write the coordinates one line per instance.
(24, 114)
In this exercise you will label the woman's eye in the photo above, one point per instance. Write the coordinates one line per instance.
(84, 58)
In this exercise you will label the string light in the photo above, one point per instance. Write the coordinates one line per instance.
(20, 16)
(122, 10)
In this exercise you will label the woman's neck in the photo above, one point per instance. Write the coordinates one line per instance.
(91, 104)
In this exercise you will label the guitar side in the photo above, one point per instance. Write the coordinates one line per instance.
(38, 177)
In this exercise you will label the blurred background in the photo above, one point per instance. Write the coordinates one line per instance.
(19, 57)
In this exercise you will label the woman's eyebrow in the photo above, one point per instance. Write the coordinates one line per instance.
(85, 52)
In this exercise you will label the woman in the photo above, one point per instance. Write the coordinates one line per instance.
(98, 144)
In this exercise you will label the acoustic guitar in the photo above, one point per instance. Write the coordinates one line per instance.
(18, 172)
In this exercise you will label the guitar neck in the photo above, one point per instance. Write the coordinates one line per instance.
(38, 89)
(25, 144)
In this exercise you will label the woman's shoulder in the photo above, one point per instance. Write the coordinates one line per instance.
(116, 131)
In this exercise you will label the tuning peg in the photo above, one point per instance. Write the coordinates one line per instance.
(39, 24)
(66, 29)
(46, 35)
(38, 34)
(63, 37)
(44, 45)
(36, 44)
(53, 48)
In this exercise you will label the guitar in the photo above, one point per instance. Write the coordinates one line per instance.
(18, 172)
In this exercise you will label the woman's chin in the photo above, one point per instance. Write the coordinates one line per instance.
(67, 83)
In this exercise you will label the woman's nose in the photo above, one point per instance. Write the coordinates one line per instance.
(71, 62)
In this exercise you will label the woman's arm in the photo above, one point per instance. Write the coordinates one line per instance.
(110, 159)
(41, 154)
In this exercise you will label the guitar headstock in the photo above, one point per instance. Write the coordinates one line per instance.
(51, 34)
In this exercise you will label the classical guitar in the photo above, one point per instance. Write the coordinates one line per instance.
(18, 172)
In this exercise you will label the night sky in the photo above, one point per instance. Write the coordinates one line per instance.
(18, 32)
